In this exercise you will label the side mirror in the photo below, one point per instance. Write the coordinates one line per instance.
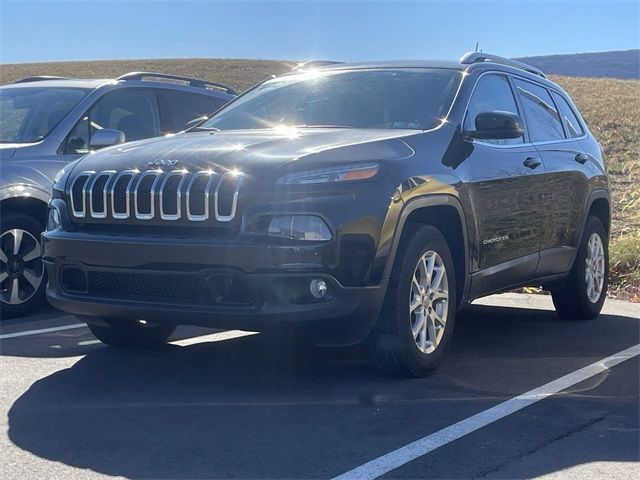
(106, 138)
(496, 126)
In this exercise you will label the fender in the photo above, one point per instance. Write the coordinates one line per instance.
(593, 196)
(20, 190)
(435, 200)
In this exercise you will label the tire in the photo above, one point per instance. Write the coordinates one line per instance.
(577, 301)
(392, 346)
(131, 333)
(22, 274)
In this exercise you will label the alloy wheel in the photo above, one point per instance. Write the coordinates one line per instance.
(21, 269)
(429, 302)
(594, 268)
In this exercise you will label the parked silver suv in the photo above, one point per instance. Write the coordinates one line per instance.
(48, 122)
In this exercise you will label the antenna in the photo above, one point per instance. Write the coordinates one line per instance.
(476, 47)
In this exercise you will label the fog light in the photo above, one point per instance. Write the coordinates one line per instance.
(318, 288)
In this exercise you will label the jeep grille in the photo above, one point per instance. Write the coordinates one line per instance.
(155, 195)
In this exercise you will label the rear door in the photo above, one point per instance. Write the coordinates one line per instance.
(506, 191)
(556, 131)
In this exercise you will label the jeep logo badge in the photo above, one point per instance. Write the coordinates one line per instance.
(162, 163)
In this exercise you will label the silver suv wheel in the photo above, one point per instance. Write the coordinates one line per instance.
(21, 268)
(428, 302)
(594, 268)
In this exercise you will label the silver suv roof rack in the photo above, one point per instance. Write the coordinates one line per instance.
(194, 82)
(39, 78)
(479, 57)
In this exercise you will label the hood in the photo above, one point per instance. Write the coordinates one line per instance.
(8, 150)
(254, 152)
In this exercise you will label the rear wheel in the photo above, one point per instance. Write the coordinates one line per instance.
(416, 324)
(22, 275)
(131, 333)
(584, 294)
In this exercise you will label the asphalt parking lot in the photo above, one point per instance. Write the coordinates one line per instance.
(236, 405)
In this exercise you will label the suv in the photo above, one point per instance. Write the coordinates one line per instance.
(351, 202)
(47, 122)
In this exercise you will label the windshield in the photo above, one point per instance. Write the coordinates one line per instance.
(28, 114)
(390, 98)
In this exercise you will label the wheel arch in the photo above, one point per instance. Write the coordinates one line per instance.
(598, 205)
(445, 213)
(29, 205)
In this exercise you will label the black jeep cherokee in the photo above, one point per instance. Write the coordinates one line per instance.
(356, 202)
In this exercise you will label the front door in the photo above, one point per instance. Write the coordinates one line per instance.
(506, 189)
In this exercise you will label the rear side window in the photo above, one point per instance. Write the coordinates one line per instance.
(572, 125)
(543, 120)
(492, 93)
(179, 108)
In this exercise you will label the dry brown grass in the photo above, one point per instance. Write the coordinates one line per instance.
(239, 74)
(611, 108)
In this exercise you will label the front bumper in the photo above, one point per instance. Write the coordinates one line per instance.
(276, 277)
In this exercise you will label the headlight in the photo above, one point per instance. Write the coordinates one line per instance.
(60, 178)
(344, 173)
(53, 218)
(299, 227)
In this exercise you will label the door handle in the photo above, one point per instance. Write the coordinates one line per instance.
(582, 158)
(532, 162)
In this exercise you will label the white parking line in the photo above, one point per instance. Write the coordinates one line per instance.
(392, 460)
(214, 337)
(41, 330)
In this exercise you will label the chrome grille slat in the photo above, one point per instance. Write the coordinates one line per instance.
(148, 173)
(205, 215)
(86, 175)
(239, 178)
(110, 194)
(127, 196)
(183, 177)
(103, 213)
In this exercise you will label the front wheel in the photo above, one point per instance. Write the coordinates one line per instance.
(22, 275)
(131, 333)
(416, 324)
(583, 296)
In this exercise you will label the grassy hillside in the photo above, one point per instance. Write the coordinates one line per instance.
(623, 64)
(611, 108)
(240, 74)
(612, 111)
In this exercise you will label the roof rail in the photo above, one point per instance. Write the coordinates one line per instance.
(194, 82)
(479, 57)
(313, 64)
(39, 78)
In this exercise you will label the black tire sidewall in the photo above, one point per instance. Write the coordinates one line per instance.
(396, 311)
(12, 220)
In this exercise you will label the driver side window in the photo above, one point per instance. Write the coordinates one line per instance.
(134, 112)
(492, 93)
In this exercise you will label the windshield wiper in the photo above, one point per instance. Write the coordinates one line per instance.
(204, 129)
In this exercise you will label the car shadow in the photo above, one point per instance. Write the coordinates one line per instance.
(255, 407)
